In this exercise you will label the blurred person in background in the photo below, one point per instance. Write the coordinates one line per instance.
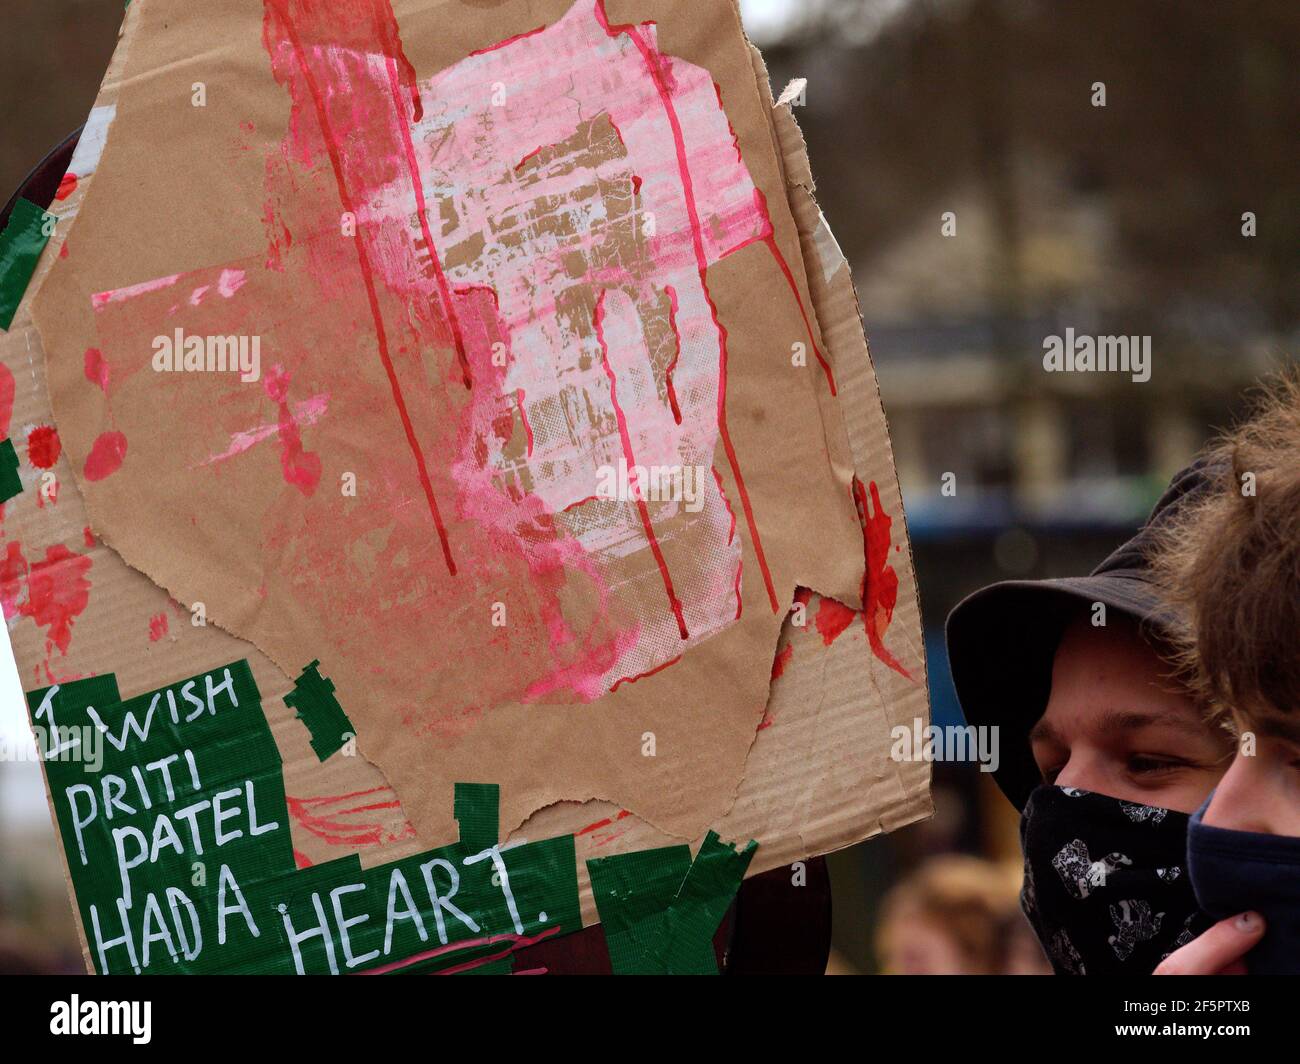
(1104, 755)
(1230, 570)
(956, 915)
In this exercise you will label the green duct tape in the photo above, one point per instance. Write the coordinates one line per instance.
(632, 892)
(313, 699)
(172, 811)
(10, 483)
(660, 909)
(21, 244)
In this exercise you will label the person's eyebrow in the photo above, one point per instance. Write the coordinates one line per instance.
(1124, 720)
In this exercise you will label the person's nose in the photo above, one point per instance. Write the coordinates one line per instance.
(1084, 771)
(1239, 802)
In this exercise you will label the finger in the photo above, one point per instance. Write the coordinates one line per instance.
(1222, 945)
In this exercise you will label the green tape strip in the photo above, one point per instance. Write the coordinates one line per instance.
(176, 798)
(313, 699)
(660, 909)
(632, 892)
(476, 810)
(10, 483)
(21, 244)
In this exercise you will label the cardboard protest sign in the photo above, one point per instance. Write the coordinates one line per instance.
(479, 395)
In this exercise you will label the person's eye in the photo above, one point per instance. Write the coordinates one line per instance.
(1155, 764)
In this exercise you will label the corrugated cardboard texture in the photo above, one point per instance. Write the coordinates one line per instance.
(804, 771)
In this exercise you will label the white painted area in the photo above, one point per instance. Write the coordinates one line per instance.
(91, 145)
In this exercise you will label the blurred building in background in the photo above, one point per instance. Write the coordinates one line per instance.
(920, 116)
(986, 202)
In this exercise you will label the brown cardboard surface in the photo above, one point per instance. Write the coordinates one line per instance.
(804, 771)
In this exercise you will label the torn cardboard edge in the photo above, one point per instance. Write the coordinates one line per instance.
(783, 842)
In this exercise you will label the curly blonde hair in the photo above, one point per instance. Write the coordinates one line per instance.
(1229, 566)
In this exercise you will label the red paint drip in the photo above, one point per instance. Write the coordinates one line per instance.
(523, 416)
(626, 436)
(531, 155)
(880, 583)
(508, 41)
(654, 65)
(677, 354)
(367, 270)
(67, 186)
(781, 660)
(43, 446)
(157, 627)
(106, 455)
(642, 675)
(580, 502)
(760, 201)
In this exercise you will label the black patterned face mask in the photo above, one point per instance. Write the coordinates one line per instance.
(1106, 885)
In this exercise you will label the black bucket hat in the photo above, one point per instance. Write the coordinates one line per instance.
(1002, 639)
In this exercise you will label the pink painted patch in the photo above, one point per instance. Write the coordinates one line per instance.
(157, 627)
(106, 455)
(96, 369)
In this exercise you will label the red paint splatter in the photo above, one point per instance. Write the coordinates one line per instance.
(157, 627)
(643, 675)
(301, 859)
(43, 446)
(626, 436)
(106, 455)
(57, 591)
(67, 186)
(655, 66)
(833, 619)
(347, 819)
(880, 584)
(299, 467)
(89, 536)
